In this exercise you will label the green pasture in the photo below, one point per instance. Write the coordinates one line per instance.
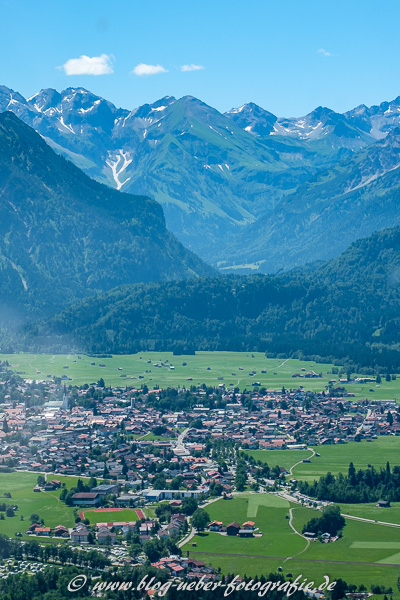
(46, 504)
(361, 543)
(151, 437)
(373, 512)
(367, 553)
(336, 458)
(269, 515)
(111, 516)
(282, 458)
(205, 367)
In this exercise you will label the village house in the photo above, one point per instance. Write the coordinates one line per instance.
(233, 528)
(105, 536)
(80, 534)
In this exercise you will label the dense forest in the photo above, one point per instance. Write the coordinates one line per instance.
(346, 311)
(369, 485)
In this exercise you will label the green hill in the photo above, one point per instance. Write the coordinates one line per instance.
(346, 310)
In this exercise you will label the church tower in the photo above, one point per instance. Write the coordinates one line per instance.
(65, 399)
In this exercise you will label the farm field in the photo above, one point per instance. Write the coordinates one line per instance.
(336, 458)
(371, 511)
(269, 514)
(46, 504)
(204, 367)
(282, 458)
(361, 543)
(110, 516)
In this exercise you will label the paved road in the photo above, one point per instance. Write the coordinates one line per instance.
(362, 424)
(300, 461)
(192, 531)
(297, 533)
(179, 442)
(371, 521)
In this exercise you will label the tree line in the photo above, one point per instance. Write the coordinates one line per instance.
(363, 485)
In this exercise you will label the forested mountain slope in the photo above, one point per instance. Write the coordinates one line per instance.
(346, 310)
(64, 236)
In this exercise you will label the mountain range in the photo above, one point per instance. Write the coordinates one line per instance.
(221, 178)
(326, 214)
(64, 236)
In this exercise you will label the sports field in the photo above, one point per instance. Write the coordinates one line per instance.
(110, 516)
(212, 368)
(367, 553)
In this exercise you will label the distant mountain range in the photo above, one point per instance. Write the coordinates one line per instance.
(63, 236)
(349, 201)
(240, 188)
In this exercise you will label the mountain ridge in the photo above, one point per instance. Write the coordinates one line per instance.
(224, 180)
(346, 202)
(211, 175)
(346, 311)
(64, 236)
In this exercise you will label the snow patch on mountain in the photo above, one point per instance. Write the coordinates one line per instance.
(68, 127)
(366, 180)
(117, 167)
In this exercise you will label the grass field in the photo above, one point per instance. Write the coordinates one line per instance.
(336, 458)
(46, 504)
(371, 511)
(204, 367)
(348, 558)
(112, 516)
(282, 458)
(269, 514)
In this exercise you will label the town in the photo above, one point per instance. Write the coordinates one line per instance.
(137, 468)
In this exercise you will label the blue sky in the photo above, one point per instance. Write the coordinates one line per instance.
(288, 57)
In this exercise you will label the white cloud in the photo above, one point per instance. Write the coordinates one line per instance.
(143, 69)
(88, 65)
(192, 67)
(324, 52)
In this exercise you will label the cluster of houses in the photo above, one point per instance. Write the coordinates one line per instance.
(245, 530)
(40, 530)
(62, 440)
(146, 529)
(191, 568)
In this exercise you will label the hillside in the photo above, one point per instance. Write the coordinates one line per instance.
(349, 201)
(64, 236)
(346, 310)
